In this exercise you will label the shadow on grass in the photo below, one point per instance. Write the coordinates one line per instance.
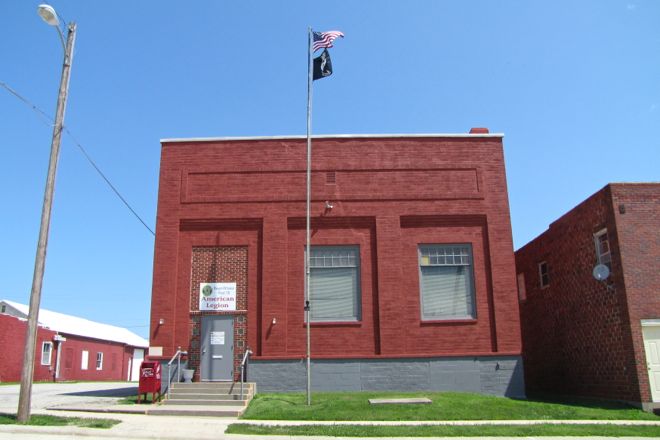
(582, 402)
(287, 401)
(132, 400)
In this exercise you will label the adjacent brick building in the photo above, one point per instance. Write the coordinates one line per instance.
(12, 337)
(68, 347)
(587, 337)
(412, 266)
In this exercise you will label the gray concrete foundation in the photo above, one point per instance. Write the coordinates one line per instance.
(495, 375)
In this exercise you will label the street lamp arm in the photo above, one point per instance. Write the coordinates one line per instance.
(59, 32)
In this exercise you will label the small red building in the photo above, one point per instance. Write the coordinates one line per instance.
(12, 337)
(412, 266)
(68, 347)
(586, 337)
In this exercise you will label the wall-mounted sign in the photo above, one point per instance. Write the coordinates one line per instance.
(217, 296)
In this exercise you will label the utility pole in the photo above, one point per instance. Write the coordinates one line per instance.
(40, 259)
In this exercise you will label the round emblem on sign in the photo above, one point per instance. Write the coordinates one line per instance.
(207, 290)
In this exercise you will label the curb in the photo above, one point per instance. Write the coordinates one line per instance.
(450, 422)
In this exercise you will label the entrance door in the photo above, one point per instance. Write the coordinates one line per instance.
(68, 364)
(652, 348)
(217, 348)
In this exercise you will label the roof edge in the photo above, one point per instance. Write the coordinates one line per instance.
(334, 136)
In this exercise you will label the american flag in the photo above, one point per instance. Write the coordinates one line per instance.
(325, 39)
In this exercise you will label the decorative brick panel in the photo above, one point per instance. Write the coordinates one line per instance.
(222, 264)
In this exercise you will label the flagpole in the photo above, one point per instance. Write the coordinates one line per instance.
(309, 192)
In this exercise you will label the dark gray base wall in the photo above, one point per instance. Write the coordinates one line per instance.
(500, 376)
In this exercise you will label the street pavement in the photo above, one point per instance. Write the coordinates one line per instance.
(94, 396)
(51, 395)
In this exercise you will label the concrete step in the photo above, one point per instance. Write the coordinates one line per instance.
(221, 399)
(197, 410)
(209, 396)
(212, 385)
(206, 402)
(209, 390)
(188, 394)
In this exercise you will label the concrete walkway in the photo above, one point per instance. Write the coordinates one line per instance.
(146, 427)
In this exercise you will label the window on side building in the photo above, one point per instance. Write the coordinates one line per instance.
(46, 352)
(84, 360)
(446, 281)
(99, 360)
(602, 243)
(334, 287)
(544, 274)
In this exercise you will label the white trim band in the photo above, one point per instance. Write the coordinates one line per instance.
(336, 136)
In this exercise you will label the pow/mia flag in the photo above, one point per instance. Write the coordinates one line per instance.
(322, 65)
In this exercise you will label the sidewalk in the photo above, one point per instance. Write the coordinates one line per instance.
(148, 427)
(132, 426)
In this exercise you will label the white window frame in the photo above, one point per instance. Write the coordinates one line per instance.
(603, 257)
(99, 360)
(334, 260)
(447, 260)
(84, 360)
(43, 352)
(547, 274)
(522, 290)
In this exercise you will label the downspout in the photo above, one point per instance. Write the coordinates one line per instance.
(57, 360)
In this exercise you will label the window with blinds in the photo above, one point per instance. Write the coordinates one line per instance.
(446, 281)
(334, 288)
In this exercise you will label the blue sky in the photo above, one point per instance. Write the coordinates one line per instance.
(574, 86)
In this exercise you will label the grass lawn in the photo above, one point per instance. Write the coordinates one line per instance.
(42, 420)
(445, 406)
(449, 431)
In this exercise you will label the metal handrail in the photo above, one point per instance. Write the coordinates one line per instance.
(176, 356)
(247, 354)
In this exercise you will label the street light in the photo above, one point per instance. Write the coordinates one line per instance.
(48, 14)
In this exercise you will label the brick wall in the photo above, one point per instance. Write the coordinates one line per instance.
(582, 336)
(388, 196)
(636, 210)
(115, 359)
(12, 341)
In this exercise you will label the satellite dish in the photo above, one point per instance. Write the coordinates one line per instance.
(601, 272)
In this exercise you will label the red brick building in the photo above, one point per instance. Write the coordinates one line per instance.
(12, 337)
(587, 337)
(412, 280)
(68, 347)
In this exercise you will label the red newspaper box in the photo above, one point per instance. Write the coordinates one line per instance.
(150, 380)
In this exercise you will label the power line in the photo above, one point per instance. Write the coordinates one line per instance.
(49, 120)
(44, 117)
